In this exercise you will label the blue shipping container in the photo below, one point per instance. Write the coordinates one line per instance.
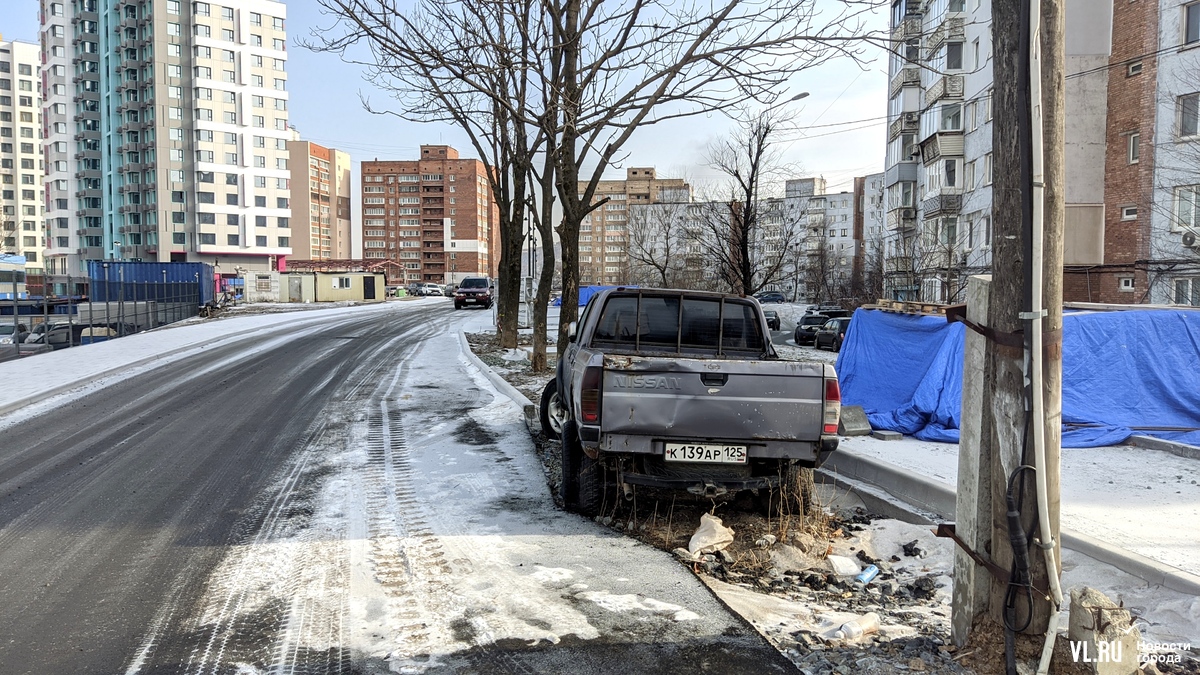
(146, 280)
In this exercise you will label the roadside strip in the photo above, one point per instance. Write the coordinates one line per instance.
(897, 493)
(163, 357)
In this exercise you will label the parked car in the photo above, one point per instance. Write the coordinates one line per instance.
(832, 333)
(7, 330)
(448, 291)
(772, 319)
(413, 289)
(431, 289)
(473, 291)
(806, 328)
(649, 392)
(770, 296)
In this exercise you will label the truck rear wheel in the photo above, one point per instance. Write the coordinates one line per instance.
(586, 487)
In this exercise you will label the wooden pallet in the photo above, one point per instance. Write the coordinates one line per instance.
(905, 307)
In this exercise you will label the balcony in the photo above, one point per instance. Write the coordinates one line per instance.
(900, 265)
(907, 29)
(907, 122)
(942, 202)
(951, 28)
(909, 76)
(942, 144)
(902, 219)
(945, 86)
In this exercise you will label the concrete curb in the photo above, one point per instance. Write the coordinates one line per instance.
(11, 406)
(499, 382)
(1151, 443)
(878, 481)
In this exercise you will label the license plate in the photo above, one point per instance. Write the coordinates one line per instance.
(702, 452)
(471, 300)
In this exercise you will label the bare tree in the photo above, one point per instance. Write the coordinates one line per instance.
(622, 66)
(469, 64)
(747, 234)
(657, 244)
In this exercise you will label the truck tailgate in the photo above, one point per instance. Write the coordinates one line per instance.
(698, 399)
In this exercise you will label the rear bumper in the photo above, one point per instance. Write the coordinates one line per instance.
(808, 453)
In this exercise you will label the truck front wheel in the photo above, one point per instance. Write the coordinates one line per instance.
(551, 411)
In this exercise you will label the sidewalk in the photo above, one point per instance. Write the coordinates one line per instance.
(34, 378)
(1141, 500)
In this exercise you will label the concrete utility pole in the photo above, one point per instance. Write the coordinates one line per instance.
(1006, 440)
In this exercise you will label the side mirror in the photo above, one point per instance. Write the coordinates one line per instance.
(571, 331)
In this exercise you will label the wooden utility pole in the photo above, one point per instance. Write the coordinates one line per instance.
(1006, 436)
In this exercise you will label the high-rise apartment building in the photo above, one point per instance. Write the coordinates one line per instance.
(166, 131)
(321, 225)
(433, 217)
(21, 169)
(938, 166)
(604, 235)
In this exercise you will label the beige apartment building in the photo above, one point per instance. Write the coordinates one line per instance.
(603, 234)
(21, 222)
(320, 189)
(434, 216)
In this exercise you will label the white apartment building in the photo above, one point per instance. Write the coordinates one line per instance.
(938, 165)
(167, 127)
(21, 217)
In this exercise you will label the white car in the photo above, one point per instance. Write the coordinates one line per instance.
(6, 332)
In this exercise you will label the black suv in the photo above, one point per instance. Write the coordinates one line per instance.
(807, 327)
(770, 296)
(475, 291)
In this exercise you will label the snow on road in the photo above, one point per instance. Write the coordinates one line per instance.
(414, 532)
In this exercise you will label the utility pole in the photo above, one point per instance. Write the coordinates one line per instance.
(1021, 412)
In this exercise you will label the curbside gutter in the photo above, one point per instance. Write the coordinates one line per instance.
(897, 491)
(499, 382)
(1151, 443)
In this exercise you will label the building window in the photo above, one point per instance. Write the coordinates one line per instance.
(1133, 69)
(341, 282)
(1186, 199)
(1125, 284)
(1191, 23)
(1189, 109)
(1134, 146)
(1187, 291)
(954, 56)
(1129, 212)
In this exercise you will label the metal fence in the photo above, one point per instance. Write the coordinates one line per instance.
(114, 309)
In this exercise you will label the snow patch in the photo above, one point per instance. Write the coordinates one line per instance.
(633, 603)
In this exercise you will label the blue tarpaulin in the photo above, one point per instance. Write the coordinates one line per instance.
(586, 293)
(1127, 372)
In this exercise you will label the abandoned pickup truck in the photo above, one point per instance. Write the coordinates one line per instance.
(682, 389)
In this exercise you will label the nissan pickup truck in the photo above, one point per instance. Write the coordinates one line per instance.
(678, 389)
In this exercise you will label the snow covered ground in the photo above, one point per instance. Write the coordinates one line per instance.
(496, 552)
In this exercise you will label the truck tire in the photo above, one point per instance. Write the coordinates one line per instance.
(586, 486)
(571, 453)
(551, 411)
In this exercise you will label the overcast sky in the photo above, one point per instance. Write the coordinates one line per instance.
(325, 108)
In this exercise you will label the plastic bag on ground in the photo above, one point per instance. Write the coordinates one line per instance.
(710, 537)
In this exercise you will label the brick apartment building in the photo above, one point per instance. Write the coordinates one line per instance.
(435, 217)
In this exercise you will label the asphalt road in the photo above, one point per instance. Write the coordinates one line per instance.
(121, 511)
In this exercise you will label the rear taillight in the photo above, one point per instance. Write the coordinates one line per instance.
(589, 395)
(833, 406)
